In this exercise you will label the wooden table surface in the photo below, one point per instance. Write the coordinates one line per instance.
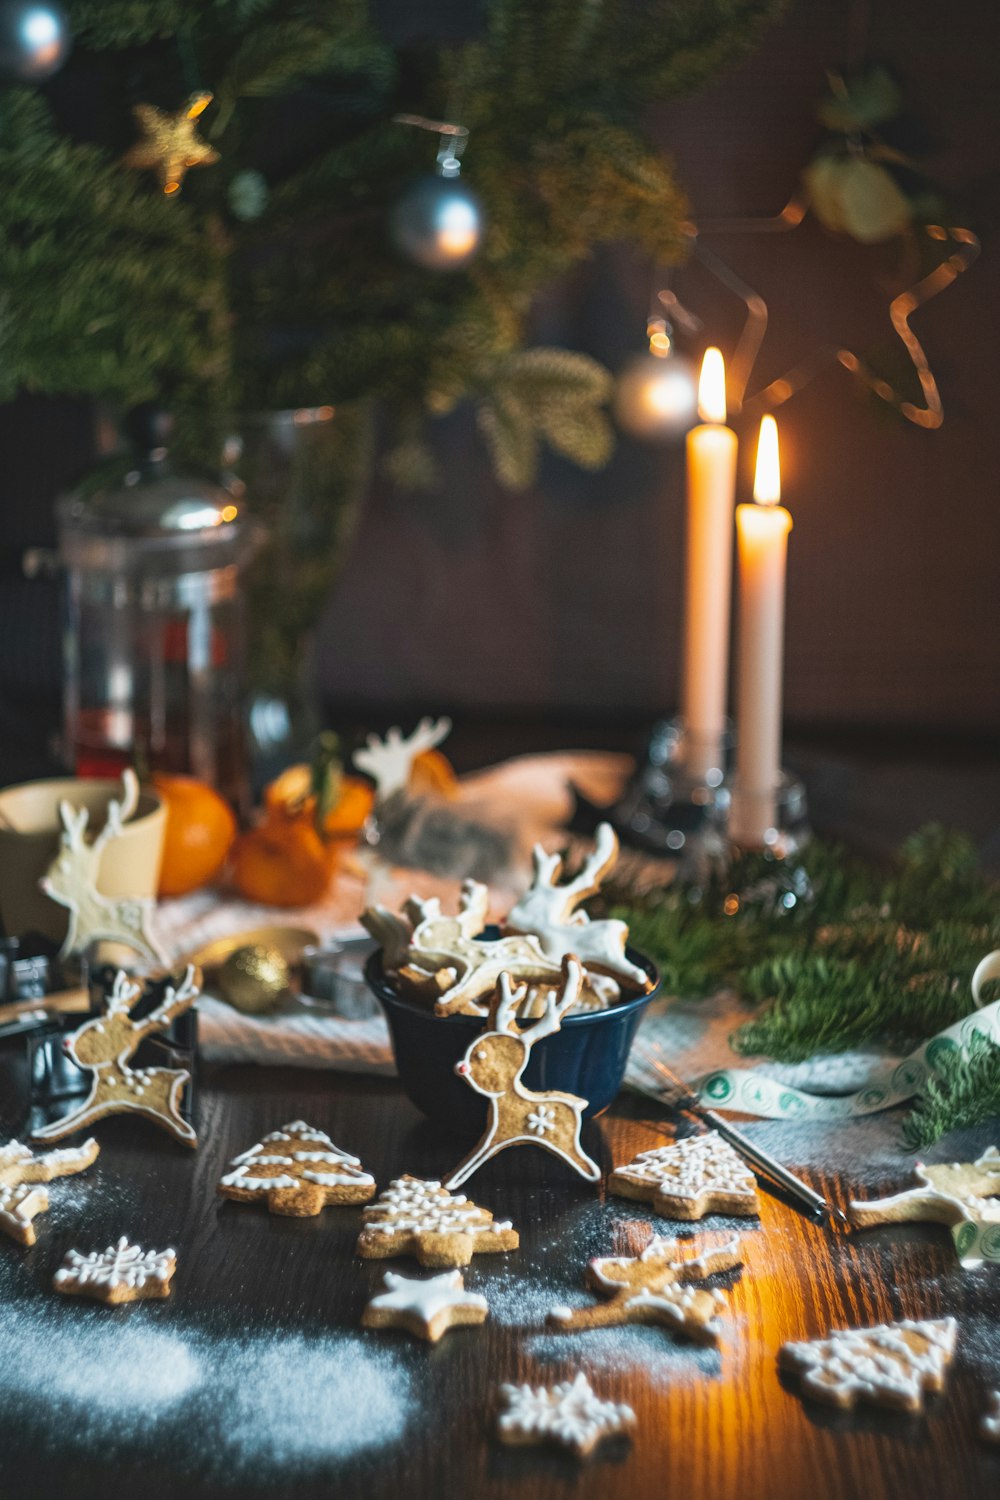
(713, 1425)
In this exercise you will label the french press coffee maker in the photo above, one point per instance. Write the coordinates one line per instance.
(153, 556)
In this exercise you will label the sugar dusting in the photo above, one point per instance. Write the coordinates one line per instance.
(85, 1377)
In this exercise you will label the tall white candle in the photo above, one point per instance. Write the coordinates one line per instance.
(711, 494)
(762, 538)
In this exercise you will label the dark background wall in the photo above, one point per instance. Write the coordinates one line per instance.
(566, 600)
(569, 596)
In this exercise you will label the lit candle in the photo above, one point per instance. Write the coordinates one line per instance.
(762, 538)
(711, 493)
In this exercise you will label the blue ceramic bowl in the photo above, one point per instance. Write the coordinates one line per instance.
(586, 1056)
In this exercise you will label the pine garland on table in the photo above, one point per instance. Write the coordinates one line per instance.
(873, 957)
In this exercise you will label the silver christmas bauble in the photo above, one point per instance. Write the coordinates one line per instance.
(656, 397)
(438, 223)
(34, 40)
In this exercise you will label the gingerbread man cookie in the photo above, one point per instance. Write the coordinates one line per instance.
(426, 1308)
(962, 1192)
(494, 1065)
(21, 1173)
(699, 1175)
(297, 1171)
(891, 1365)
(569, 1414)
(654, 1287)
(104, 1047)
(121, 1273)
(437, 1227)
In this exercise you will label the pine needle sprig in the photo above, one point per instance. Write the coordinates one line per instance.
(965, 1090)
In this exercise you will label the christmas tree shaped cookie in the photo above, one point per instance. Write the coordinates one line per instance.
(439, 1228)
(954, 1194)
(296, 1171)
(699, 1175)
(22, 1173)
(570, 1414)
(654, 1287)
(891, 1365)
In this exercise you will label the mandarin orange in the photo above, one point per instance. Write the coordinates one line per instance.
(199, 834)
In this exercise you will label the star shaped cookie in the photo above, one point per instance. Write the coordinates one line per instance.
(423, 1219)
(296, 1171)
(21, 1173)
(688, 1179)
(121, 1273)
(426, 1308)
(654, 1287)
(569, 1413)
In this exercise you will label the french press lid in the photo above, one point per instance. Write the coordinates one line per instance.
(139, 515)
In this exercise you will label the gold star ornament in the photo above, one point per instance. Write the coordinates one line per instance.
(170, 144)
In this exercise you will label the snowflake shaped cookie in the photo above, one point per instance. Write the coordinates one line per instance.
(424, 1219)
(953, 1194)
(654, 1287)
(21, 1172)
(989, 1425)
(699, 1175)
(569, 1413)
(426, 1308)
(121, 1273)
(297, 1171)
(891, 1365)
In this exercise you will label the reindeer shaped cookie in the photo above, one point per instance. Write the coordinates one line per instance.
(548, 912)
(104, 1046)
(71, 880)
(389, 762)
(444, 956)
(493, 1066)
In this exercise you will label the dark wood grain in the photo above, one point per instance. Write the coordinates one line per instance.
(717, 1426)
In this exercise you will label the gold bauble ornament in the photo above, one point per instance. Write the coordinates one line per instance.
(254, 979)
(170, 143)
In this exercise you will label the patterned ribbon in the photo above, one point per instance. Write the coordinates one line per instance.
(746, 1092)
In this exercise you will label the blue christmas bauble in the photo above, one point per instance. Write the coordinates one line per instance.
(438, 223)
(34, 40)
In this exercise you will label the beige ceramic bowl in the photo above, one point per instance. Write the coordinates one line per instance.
(29, 841)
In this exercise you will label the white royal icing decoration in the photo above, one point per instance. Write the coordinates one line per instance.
(869, 1361)
(413, 1206)
(258, 1156)
(541, 1120)
(425, 1298)
(19, 1204)
(699, 1163)
(570, 1413)
(119, 1265)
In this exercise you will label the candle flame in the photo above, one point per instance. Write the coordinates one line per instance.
(767, 480)
(712, 387)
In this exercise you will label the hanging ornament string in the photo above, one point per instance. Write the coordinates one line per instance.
(964, 249)
(438, 222)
